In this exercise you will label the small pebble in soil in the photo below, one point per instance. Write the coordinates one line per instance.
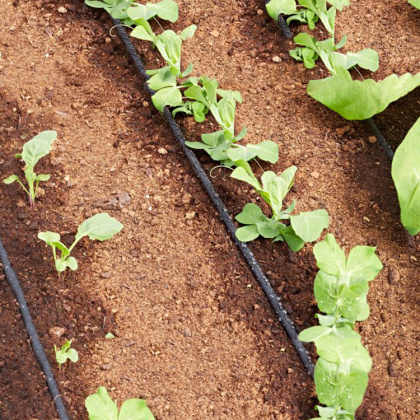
(57, 331)
(372, 139)
(106, 275)
(62, 9)
(392, 370)
(215, 33)
(276, 59)
(315, 174)
(393, 276)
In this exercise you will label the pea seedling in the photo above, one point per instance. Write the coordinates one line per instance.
(99, 227)
(65, 353)
(34, 150)
(100, 406)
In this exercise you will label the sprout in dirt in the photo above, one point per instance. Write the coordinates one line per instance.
(65, 353)
(99, 227)
(34, 150)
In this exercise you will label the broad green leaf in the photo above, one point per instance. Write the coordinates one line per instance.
(213, 139)
(161, 79)
(64, 250)
(339, 4)
(188, 32)
(99, 227)
(43, 177)
(242, 175)
(406, 176)
(330, 257)
(188, 70)
(144, 32)
(277, 190)
(11, 179)
(309, 225)
(238, 152)
(72, 263)
(362, 262)
(72, 355)
(38, 147)
(266, 178)
(100, 406)
(266, 150)
(232, 93)
(165, 9)
(247, 233)
(366, 59)
(307, 41)
(326, 412)
(250, 215)
(242, 134)
(326, 320)
(356, 100)
(295, 243)
(135, 409)
(278, 7)
(313, 334)
(289, 176)
(60, 265)
(196, 145)
(325, 288)
(170, 96)
(269, 228)
(49, 237)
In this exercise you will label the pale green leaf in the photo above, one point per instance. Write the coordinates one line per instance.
(100, 406)
(135, 409)
(170, 96)
(330, 257)
(38, 147)
(11, 179)
(247, 233)
(362, 262)
(266, 150)
(250, 215)
(277, 7)
(309, 225)
(99, 227)
(49, 237)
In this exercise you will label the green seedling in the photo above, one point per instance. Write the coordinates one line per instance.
(34, 150)
(282, 226)
(310, 50)
(164, 80)
(99, 227)
(406, 176)
(100, 406)
(360, 100)
(130, 12)
(341, 287)
(65, 353)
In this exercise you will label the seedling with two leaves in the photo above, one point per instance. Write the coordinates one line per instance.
(129, 12)
(65, 353)
(100, 406)
(282, 226)
(341, 287)
(99, 227)
(34, 150)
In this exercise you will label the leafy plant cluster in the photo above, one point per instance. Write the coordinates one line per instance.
(198, 96)
(355, 99)
(341, 287)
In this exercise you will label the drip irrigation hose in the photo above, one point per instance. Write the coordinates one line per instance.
(32, 333)
(282, 24)
(223, 212)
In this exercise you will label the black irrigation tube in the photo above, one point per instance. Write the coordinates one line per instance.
(282, 24)
(223, 212)
(37, 346)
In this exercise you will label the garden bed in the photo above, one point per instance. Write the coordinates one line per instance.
(194, 334)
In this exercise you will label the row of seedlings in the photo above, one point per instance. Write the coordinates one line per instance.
(345, 288)
(357, 99)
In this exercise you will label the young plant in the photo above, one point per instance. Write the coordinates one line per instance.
(129, 12)
(99, 227)
(164, 80)
(34, 150)
(100, 406)
(341, 287)
(65, 353)
(282, 226)
(406, 176)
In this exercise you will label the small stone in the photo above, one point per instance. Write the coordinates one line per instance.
(62, 9)
(392, 370)
(187, 333)
(106, 367)
(106, 275)
(162, 151)
(372, 139)
(186, 198)
(145, 104)
(259, 12)
(393, 276)
(315, 174)
(276, 59)
(57, 331)
(190, 215)
(215, 33)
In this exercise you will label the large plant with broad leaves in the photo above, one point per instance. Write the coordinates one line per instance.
(406, 176)
(341, 288)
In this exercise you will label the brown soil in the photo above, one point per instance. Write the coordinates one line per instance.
(194, 333)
